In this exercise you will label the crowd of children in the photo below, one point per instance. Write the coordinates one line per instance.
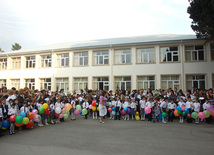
(134, 103)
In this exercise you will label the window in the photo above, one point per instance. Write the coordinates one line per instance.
(146, 82)
(45, 84)
(122, 56)
(3, 83)
(101, 83)
(122, 83)
(30, 62)
(213, 80)
(15, 83)
(46, 60)
(30, 83)
(197, 81)
(212, 51)
(194, 53)
(80, 83)
(3, 63)
(145, 55)
(16, 63)
(168, 81)
(169, 54)
(101, 57)
(81, 59)
(62, 83)
(63, 60)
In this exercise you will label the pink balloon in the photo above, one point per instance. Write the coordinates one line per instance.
(147, 110)
(76, 112)
(183, 108)
(35, 112)
(36, 118)
(12, 118)
(90, 106)
(61, 116)
(209, 107)
(123, 112)
(201, 115)
(63, 111)
(212, 112)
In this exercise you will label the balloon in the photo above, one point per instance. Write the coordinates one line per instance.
(148, 110)
(178, 108)
(57, 115)
(137, 112)
(129, 111)
(179, 112)
(22, 114)
(63, 111)
(113, 109)
(94, 108)
(113, 112)
(183, 108)
(137, 118)
(84, 111)
(30, 116)
(36, 118)
(183, 114)
(212, 112)
(5, 124)
(189, 116)
(58, 110)
(160, 117)
(201, 115)
(61, 116)
(65, 116)
(18, 119)
(125, 108)
(90, 106)
(123, 112)
(12, 118)
(98, 109)
(29, 125)
(18, 125)
(35, 112)
(207, 113)
(25, 120)
(107, 103)
(209, 107)
(93, 104)
(186, 111)
(46, 111)
(41, 111)
(164, 114)
(67, 112)
(67, 106)
(176, 113)
(45, 106)
(76, 112)
(194, 115)
(48, 120)
(110, 109)
(78, 107)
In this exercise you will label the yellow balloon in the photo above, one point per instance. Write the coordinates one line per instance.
(97, 108)
(25, 120)
(45, 106)
(137, 118)
(94, 108)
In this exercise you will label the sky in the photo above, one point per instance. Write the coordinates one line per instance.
(33, 23)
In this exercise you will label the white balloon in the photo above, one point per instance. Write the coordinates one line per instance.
(37, 118)
(58, 110)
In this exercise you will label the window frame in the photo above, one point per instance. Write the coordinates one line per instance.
(197, 53)
(3, 63)
(15, 83)
(62, 82)
(95, 56)
(3, 83)
(80, 82)
(30, 62)
(122, 81)
(105, 83)
(172, 54)
(16, 63)
(149, 81)
(78, 56)
(44, 62)
(30, 84)
(60, 57)
(170, 80)
(121, 58)
(141, 54)
(196, 80)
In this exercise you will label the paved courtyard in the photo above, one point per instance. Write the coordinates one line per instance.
(87, 137)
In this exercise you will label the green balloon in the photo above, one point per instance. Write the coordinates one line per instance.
(41, 111)
(78, 107)
(49, 120)
(19, 119)
(107, 103)
(194, 115)
(65, 116)
(67, 112)
(179, 112)
(207, 113)
(164, 114)
(183, 114)
(137, 113)
(84, 111)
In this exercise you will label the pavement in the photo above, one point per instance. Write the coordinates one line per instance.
(114, 137)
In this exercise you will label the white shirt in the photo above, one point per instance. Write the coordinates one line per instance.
(11, 111)
(181, 104)
(57, 105)
(133, 105)
(39, 106)
(163, 104)
(171, 105)
(73, 103)
(52, 107)
(113, 103)
(196, 106)
(24, 109)
(189, 104)
(1, 115)
(126, 104)
(204, 105)
(85, 105)
(13, 97)
(62, 105)
(142, 103)
(118, 104)
(149, 104)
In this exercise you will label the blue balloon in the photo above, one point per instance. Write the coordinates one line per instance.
(186, 111)
(113, 109)
(0, 125)
(178, 108)
(5, 124)
(160, 117)
(125, 108)
(22, 114)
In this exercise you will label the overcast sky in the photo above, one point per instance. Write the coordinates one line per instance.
(34, 23)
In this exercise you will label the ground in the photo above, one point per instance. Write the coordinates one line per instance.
(89, 137)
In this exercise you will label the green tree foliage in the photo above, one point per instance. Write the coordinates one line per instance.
(202, 14)
(16, 46)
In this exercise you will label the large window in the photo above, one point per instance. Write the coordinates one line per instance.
(197, 81)
(3, 83)
(168, 81)
(45, 84)
(30, 83)
(212, 51)
(46, 60)
(3, 63)
(146, 82)
(145, 55)
(194, 53)
(122, 83)
(62, 83)
(15, 83)
(80, 83)
(101, 83)
(169, 54)
(81, 59)
(122, 56)
(101, 57)
(30, 62)
(63, 60)
(16, 63)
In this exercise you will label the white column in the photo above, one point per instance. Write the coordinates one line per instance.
(37, 84)
(37, 61)
(111, 62)
(90, 58)
(157, 60)
(182, 79)
(133, 60)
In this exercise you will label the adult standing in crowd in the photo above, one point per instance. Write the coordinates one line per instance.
(102, 106)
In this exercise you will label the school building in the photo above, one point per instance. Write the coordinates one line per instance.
(153, 61)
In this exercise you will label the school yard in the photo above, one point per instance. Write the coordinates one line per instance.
(89, 137)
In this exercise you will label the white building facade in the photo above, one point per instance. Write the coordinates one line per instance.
(158, 61)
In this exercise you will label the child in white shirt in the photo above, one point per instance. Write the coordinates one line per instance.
(163, 107)
(181, 104)
(113, 104)
(171, 106)
(149, 104)
(12, 111)
(73, 107)
(196, 108)
(126, 104)
(133, 109)
(85, 105)
(142, 107)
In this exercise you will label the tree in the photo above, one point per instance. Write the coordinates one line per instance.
(202, 14)
(1, 50)
(16, 46)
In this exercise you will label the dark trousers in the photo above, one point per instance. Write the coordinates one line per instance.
(209, 120)
(170, 115)
(150, 116)
(189, 120)
(117, 113)
(86, 115)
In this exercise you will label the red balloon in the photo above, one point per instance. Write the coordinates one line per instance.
(110, 109)
(12, 118)
(30, 116)
(46, 111)
(18, 125)
(57, 115)
(29, 125)
(93, 104)
(189, 116)
(176, 113)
